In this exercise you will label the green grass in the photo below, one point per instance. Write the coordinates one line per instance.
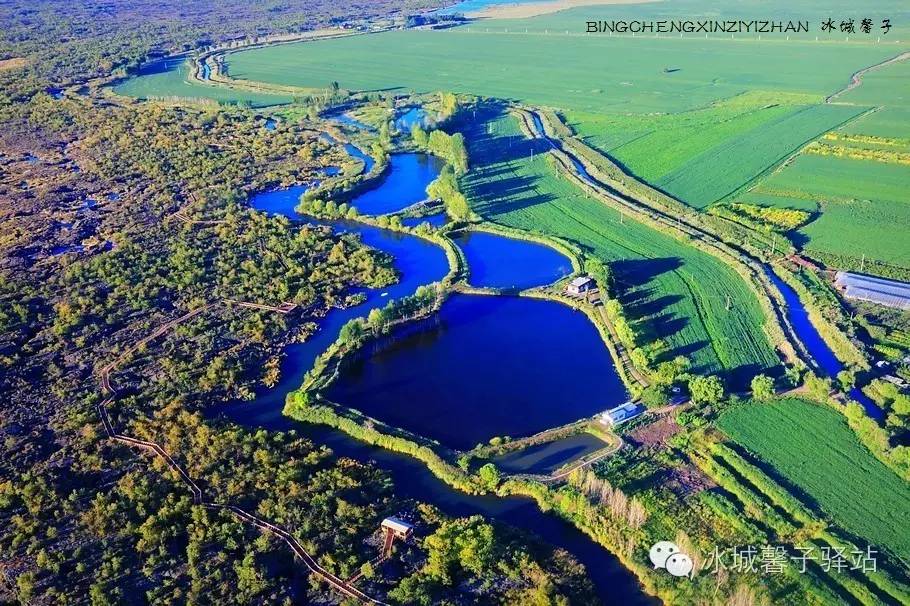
(729, 166)
(679, 291)
(886, 122)
(174, 83)
(654, 145)
(575, 71)
(812, 447)
(864, 205)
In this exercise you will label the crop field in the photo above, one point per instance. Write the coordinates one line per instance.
(857, 179)
(678, 291)
(705, 155)
(581, 72)
(172, 82)
(809, 445)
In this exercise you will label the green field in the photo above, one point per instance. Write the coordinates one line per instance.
(862, 203)
(174, 83)
(704, 155)
(569, 71)
(679, 291)
(812, 447)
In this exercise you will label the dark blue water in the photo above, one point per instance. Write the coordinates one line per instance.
(280, 201)
(270, 124)
(825, 359)
(418, 262)
(56, 93)
(437, 220)
(414, 115)
(500, 262)
(548, 458)
(405, 184)
(484, 366)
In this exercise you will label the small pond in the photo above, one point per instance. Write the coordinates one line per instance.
(548, 458)
(405, 184)
(484, 366)
(499, 262)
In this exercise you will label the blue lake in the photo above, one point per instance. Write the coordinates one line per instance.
(484, 366)
(420, 262)
(818, 349)
(499, 262)
(405, 184)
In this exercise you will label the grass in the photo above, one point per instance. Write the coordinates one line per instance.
(158, 82)
(861, 201)
(729, 166)
(586, 73)
(813, 449)
(863, 205)
(678, 292)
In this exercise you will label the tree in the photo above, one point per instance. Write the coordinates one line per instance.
(818, 387)
(489, 475)
(847, 379)
(419, 136)
(655, 396)
(762, 387)
(706, 390)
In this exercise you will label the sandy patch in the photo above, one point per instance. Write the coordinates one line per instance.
(533, 9)
(14, 63)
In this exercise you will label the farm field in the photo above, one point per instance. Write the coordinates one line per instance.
(857, 178)
(662, 280)
(157, 82)
(809, 444)
(701, 157)
(860, 202)
(583, 72)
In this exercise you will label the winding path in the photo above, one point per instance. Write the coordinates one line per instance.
(340, 585)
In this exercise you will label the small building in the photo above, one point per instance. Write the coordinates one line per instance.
(398, 528)
(621, 414)
(580, 285)
(890, 293)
